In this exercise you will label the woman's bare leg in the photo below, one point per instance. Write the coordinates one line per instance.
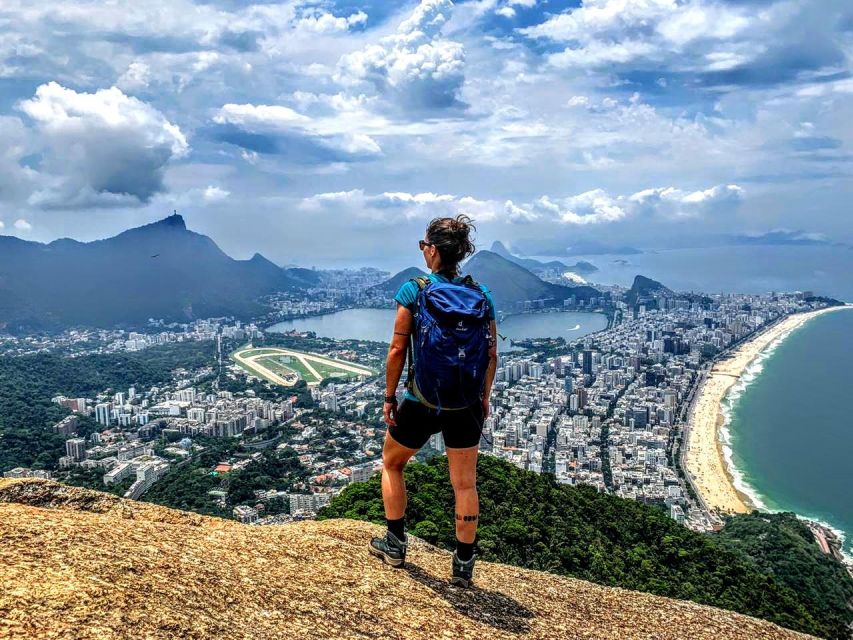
(394, 459)
(463, 477)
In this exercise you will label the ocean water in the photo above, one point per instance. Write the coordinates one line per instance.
(789, 424)
(377, 324)
(738, 269)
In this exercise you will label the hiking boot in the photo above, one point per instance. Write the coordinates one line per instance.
(463, 572)
(390, 548)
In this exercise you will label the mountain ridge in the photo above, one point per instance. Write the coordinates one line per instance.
(88, 564)
(580, 267)
(512, 284)
(160, 270)
(389, 287)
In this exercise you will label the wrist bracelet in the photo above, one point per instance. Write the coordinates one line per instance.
(391, 399)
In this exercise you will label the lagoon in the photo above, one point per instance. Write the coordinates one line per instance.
(377, 324)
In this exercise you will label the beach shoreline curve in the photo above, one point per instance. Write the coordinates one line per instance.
(710, 468)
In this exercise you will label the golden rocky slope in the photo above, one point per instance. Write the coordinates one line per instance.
(83, 564)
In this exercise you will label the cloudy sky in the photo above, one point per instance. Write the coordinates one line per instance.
(328, 132)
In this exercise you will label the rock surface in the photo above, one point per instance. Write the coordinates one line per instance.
(81, 564)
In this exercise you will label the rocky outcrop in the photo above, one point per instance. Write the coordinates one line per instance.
(82, 564)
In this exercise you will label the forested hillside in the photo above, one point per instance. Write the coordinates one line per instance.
(529, 520)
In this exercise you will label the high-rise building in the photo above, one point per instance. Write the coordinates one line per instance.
(640, 416)
(103, 413)
(75, 448)
(569, 384)
(587, 362)
(557, 363)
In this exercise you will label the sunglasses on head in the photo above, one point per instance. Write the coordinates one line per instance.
(424, 243)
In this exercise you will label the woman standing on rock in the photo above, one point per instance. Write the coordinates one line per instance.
(446, 325)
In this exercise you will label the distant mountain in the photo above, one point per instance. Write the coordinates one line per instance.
(390, 286)
(645, 291)
(305, 277)
(160, 270)
(581, 267)
(782, 237)
(556, 247)
(511, 283)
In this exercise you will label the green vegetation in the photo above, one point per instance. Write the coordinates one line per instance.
(279, 367)
(784, 547)
(329, 371)
(27, 384)
(188, 485)
(530, 521)
(294, 364)
(278, 470)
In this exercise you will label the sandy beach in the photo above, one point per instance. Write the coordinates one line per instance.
(703, 452)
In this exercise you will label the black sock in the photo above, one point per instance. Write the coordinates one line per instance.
(464, 550)
(398, 528)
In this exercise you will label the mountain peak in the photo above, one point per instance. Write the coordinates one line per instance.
(157, 568)
(390, 286)
(260, 259)
(174, 221)
(499, 248)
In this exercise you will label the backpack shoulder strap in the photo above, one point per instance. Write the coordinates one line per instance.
(421, 282)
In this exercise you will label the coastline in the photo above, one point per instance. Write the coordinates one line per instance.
(706, 458)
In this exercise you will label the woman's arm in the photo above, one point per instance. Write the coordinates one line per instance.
(396, 360)
(493, 365)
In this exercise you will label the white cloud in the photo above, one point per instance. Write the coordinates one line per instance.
(692, 34)
(597, 54)
(137, 76)
(590, 207)
(843, 86)
(260, 115)
(215, 194)
(23, 225)
(390, 206)
(518, 214)
(415, 66)
(324, 22)
(597, 206)
(593, 207)
(100, 149)
(290, 125)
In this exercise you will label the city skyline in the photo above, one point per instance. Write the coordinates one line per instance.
(659, 124)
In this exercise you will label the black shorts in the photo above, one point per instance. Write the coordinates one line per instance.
(417, 422)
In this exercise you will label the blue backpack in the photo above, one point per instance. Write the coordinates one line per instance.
(449, 347)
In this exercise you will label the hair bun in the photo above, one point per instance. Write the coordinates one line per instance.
(451, 237)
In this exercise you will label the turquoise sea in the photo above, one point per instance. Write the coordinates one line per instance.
(790, 424)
